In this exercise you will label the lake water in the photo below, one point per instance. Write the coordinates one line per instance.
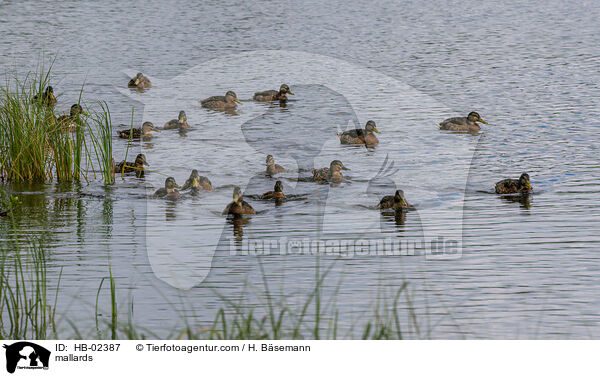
(531, 69)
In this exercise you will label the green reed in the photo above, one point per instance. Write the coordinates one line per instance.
(34, 147)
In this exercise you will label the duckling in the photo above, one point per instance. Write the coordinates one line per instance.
(218, 102)
(143, 132)
(238, 206)
(396, 202)
(521, 185)
(179, 123)
(463, 124)
(276, 193)
(70, 122)
(360, 136)
(140, 81)
(273, 168)
(169, 190)
(137, 166)
(330, 174)
(47, 97)
(197, 182)
(273, 95)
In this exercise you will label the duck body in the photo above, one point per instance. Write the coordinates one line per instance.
(179, 123)
(329, 174)
(463, 124)
(508, 186)
(136, 167)
(47, 97)
(140, 82)
(197, 182)
(137, 133)
(361, 136)
(273, 95)
(396, 202)
(272, 167)
(238, 206)
(72, 121)
(276, 193)
(168, 191)
(218, 102)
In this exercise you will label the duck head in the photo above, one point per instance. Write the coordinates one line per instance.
(284, 89)
(371, 127)
(474, 118)
(182, 117)
(278, 186)
(524, 181)
(76, 109)
(237, 195)
(231, 97)
(140, 160)
(147, 127)
(170, 184)
(337, 166)
(399, 198)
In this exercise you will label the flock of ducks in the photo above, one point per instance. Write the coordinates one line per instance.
(331, 174)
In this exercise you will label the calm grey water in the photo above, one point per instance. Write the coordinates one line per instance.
(528, 270)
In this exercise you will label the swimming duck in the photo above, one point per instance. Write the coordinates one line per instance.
(463, 124)
(137, 166)
(179, 123)
(238, 206)
(361, 136)
(520, 185)
(272, 167)
(221, 102)
(140, 81)
(276, 193)
(70, 122)
(197, 182)
(169, 190)
(330, 174)
(396, 202)
(273, 95)
(47, 97)
(143, 132)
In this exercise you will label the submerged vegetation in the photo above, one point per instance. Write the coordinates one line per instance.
(35, 146)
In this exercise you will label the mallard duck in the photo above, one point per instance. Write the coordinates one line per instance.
(520, 185)
(70, 122)
(197, 182)
(463, 124)
(47, 97)
(273, 95)
(360, 136)
(137, 166)
(218, 102)
(238, 206)
(330, 174)
(179, 123)
(396, 202)
(276, 193)
(140, 81)
(272, 167)
(169, 190)
(143, 132)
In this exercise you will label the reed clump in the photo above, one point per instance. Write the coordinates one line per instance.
(36, 147)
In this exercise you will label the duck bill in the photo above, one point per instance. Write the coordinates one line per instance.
(155, 130)
(290, 93)
(483, 121)
(345, 168)
(237, 100)
(137, 82)
(376, 130)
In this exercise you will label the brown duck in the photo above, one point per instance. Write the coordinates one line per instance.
(463, 124)
(140, 81)
(276, 193)
(361, 136)
(218, 102)
(272, 167)
(179, 123)
(520, 185)
(47, 97)
(396, 202)
(168, 191)
(197, 182)
(238, 206)
(273, 95)
(71, 122)
(143, 132)
(129, 167)
(331, 174)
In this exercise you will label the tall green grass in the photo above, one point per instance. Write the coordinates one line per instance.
(35, 148)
